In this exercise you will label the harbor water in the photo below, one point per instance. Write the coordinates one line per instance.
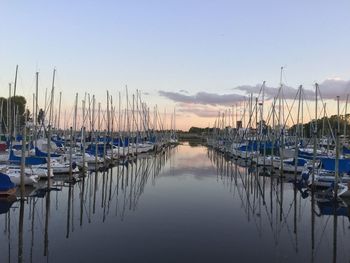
(187, 204)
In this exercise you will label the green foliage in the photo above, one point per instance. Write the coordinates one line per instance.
(17, 105)
(325, 126)
(198, 130)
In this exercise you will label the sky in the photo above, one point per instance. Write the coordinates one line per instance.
(198, 57)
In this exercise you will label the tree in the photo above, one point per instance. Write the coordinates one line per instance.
(17, 107)
(325, 126)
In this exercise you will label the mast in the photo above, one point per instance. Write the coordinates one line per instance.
(9, 110)
(45, 100)
(33, 109)
(302, 119)
(36, 108)
(52, 97)
(273, 134)
(49, 131)
(315, 135)
(112, 118)
(59, 112)
(14, 102)
(93, 114)
(75, 119)
(23, 158)
(297, 131)
(175, 123)
(262, 106)
(93, 129)
(134, 125)
(108, 116)
(83, 136)
(250, 111)
(99, 116)
(281, 139)
(323, 121)
(337, 146)
(119, 123)
(15, 84)
(345, 116)
(1, 116)
(280, 101)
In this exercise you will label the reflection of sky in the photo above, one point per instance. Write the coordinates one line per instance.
(191, 161)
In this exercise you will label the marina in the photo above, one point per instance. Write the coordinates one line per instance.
(174, 131)
(189, 197)
(284, 191)
(288, 186)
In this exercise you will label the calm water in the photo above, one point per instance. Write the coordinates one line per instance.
(188, 205)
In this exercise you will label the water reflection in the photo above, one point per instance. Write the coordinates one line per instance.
(96, 197)
(188, 204)
(284, 206)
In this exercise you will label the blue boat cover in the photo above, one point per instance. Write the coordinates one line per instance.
(5, 182)
(329, 164)
(59, 143)
(121, 143)
(30, 160)
(91, 149)
(346, 150)
(304, 154)
(300, 162)
(39, 153)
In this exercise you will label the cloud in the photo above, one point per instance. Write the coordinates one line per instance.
(204, 98)
(271, 92)
(200, 111)
(331, 88)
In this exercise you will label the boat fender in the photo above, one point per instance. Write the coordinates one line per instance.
(74, 165)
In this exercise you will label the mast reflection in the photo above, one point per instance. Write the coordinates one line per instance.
(250, 184)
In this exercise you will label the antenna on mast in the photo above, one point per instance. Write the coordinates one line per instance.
(281, 76)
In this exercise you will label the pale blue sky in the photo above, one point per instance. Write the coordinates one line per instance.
(197, 46)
